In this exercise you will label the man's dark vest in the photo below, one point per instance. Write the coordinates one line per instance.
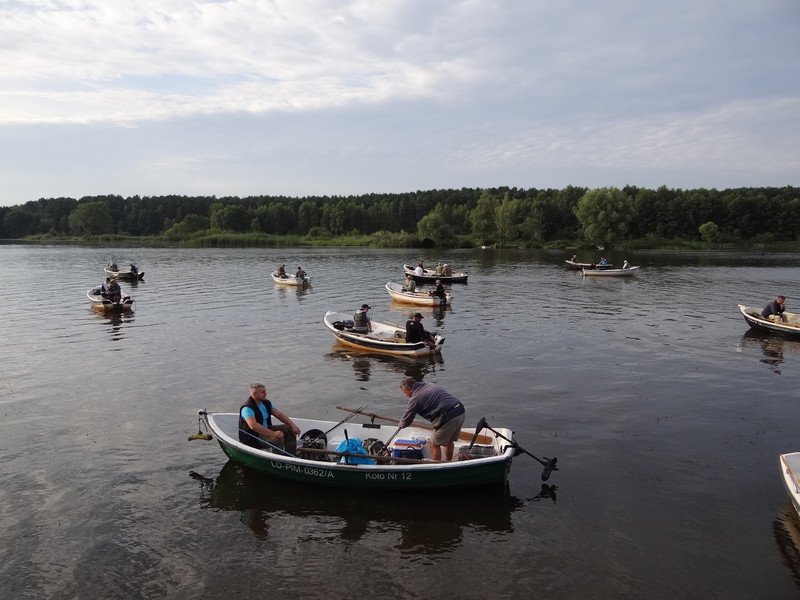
(247, 435)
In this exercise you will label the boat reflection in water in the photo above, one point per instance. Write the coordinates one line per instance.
(265, 501)
(786, 529)
(114, 322)
(774, 347)
(363, 362)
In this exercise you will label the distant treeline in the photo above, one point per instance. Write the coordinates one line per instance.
(507, 217)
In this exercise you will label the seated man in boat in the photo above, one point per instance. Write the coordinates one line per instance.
(114, 292)
(775, 307)
(443, 410)
(438, 291)
(574, 258)
(446, 271)
(419, 271)
(282, 271)
(104, 287)
(415, 332)
(603, 261)
(300, 274)
(361, 322)
(625, 264)
(438, 268)
(255, 423)
(410, 285)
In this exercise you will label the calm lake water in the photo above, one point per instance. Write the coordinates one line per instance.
(665, 412)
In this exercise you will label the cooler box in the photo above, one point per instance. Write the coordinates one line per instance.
(407, 448)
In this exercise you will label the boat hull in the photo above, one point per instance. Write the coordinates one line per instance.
(752, 315)
(429, 276)
(98, 303)
(630, 272)
(126, 275)
(391, 477)
(419, 298)
(790, 475)
(579, 265)
(290, 280)
(385, 338)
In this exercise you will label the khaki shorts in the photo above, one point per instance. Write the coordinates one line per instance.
(448, 432)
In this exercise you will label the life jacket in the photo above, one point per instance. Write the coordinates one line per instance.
(360, 320)
(247, 435)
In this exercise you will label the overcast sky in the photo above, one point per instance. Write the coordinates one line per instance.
(299, 97)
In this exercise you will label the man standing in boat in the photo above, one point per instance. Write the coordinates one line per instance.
(775, 307)
(255, 423)
(444, 411)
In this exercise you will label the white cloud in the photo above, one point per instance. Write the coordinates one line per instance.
(454, 90)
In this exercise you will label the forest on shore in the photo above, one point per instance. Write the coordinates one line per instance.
(629, 217)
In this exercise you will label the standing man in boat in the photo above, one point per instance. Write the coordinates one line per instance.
(444, 411)
(415, 332)
(775, 307)
(361, 322)
(255, 423)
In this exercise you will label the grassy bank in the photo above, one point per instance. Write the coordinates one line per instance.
(383, 239)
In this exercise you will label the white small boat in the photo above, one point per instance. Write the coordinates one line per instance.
(132, 273)
(290, 279)
(102, 303)
(790, 326)
(581, 265)
(430, 276)
(397, 293)
(387, 338)
(790, 472)
(629, 272)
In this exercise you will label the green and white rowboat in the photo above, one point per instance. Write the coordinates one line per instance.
(490, 467)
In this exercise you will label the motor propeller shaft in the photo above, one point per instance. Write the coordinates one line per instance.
(548, 463)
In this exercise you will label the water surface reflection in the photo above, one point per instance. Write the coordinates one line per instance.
(773, 346)
(364, 362)
(786, 529)
(350, 515)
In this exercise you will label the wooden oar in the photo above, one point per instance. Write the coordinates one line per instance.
(462, 435)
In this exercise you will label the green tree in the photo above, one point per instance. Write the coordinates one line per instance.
(709, 232)
(604, 215)
(91, 218)
(506, 219)
(434, 226)
(483, 218)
